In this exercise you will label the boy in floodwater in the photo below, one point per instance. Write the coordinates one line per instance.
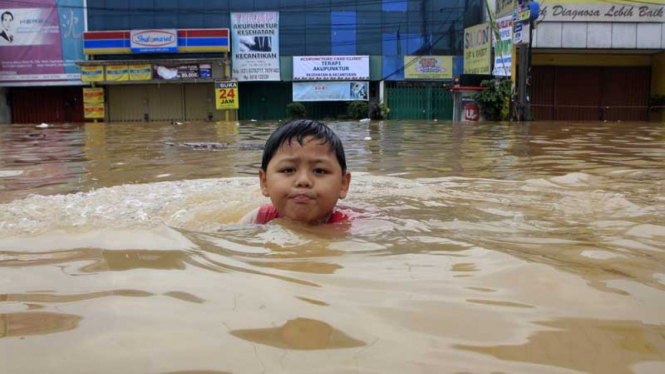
(303, 172)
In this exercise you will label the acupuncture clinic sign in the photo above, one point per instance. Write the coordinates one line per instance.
(607, 12)
(330, 68)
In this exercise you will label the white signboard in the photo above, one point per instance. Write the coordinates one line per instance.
(154, 41)
(330, 91)
(522, 34)
(255, 46)
(603, 12)
(330, 68)
(503, 59)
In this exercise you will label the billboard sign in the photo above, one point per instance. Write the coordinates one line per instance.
(428, 67)
(154, 41)
(330, 68)
(602, 11)
(478, 49)
(40, 41)
(330, 91)
(255, 51)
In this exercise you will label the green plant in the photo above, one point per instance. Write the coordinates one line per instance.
(296, 110)
(379, 111)
(494, 101)
(358, 109)
(657, 102)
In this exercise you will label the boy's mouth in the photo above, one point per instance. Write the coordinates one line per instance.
(301, 197)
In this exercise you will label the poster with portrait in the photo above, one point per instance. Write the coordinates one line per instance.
(40, 41)
(255, 46)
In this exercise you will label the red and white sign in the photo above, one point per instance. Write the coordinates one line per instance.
(471, 112)
(152, 41)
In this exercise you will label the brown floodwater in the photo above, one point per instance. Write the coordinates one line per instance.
(486, 248)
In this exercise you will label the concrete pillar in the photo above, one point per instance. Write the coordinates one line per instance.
(658, 83)
(5, 110)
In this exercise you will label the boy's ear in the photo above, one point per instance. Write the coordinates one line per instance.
(264, 183)
(346, 181)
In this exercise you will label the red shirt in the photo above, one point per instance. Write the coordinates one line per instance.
(268, 213)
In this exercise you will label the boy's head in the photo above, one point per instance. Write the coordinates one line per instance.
(303, 171)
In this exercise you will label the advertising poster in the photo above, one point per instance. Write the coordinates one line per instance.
(140, 72)
(93, 110)
(428, 67)
(92, 73)
(478, 49)
(330, 91)
(226, 93)
(40, 41)
(333, 68)
(117, 73)
(503, 59)
(93, 95)
(182, 71)
(255, 51)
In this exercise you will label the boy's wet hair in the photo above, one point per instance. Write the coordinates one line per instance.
(299, 130)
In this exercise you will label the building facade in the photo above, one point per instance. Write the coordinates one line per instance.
(599, 60)
(387, 31)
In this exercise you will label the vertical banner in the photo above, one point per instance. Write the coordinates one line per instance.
(477, 49)
(41, 40)
(255, 52)
(226, 93)
(503, 59)
(117, 73)
(428, 67)
(93, 103)
(140, 72)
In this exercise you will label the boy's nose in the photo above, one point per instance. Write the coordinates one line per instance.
(303, 180)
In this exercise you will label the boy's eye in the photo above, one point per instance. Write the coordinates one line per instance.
(287, 170)
(320, 171)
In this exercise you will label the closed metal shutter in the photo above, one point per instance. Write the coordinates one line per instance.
(127, 103)
(166, 102)
(199, 101)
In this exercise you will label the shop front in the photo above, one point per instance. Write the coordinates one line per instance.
(138, 88)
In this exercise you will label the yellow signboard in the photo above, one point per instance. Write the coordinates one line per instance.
(428, 67)
(141, 72)
(92, 73)
(93, 110)
(93, 95)
(117, 73)
(477, 49)
(226, 93)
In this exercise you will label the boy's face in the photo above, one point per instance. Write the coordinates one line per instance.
(304, 182)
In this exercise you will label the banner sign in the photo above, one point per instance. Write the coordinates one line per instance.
(428, 67)
(330, 68)
(93, 110)
(503, 59)
(330, 91)
(140, 72)
(255, 52)
(153, 41)
(93, 95)
(588, 11)
(41, 40)
(478, 49)
(226, 93)
(117, 73)
(522, 34)
(184, 71)
(92, 73)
